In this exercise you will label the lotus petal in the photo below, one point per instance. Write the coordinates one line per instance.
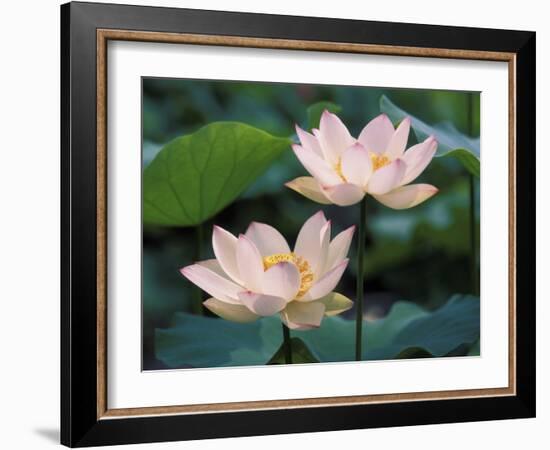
(407, 196)
(227, 311)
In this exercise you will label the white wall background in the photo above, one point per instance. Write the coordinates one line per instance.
(29, 229)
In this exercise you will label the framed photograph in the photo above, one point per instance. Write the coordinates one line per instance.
(276, 224)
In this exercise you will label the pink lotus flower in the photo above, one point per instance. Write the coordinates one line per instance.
(345, 169)
(258, 275)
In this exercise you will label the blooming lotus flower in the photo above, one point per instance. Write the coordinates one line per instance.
(345, 169)
(257, 274)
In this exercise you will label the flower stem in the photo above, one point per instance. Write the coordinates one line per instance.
(197, 293)
(287, 344)
(472, 202)
(360, 287)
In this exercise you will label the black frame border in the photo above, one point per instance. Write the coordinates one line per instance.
(79, 423)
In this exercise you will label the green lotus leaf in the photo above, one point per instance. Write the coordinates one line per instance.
(195, 176)
(408, 331)
(474, 349)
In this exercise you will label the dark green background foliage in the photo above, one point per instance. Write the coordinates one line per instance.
(421, 255)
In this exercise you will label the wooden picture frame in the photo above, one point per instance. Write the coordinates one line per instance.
(86, 418)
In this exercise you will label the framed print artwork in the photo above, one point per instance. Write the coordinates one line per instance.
(276, 224)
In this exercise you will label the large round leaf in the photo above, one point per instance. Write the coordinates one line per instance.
(408, 331)
(452, 329)
(195, 176)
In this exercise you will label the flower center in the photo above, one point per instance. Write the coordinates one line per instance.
(338, 170)
(379, 161)
(306, 275)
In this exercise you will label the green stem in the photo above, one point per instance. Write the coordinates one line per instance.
(472, 204)
(287, 344)
(197, 293)
(359, 298)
